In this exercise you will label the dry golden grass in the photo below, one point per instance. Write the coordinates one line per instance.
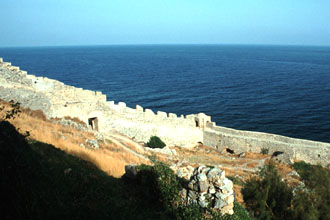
(109, 157)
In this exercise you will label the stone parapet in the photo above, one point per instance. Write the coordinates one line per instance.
(248, 141)
(59, 100)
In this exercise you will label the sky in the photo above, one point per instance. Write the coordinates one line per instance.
(108, 22)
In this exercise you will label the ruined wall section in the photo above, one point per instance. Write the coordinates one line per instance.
(141, 124)
(248, 141)
(56, 99)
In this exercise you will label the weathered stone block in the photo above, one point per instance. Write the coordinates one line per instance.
(149, 112)
(203, 186)
(139, 108)
(191, 184)
(162, 114)
(212, 173)
(201, 177)
(230, 199)
(203, 203)
(228, 209)
(212, 189)
(219, 203)
(183, 193)
(192, 195)
(122, 105)
(172, 115)
(228, 184)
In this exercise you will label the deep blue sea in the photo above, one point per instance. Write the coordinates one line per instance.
(276, 89)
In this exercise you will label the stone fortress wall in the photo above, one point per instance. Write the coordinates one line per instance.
(56, 99)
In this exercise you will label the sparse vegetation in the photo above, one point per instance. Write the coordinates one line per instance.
(155, 142)
(313, 202)
(267, 196)
(264, 150)
(236, 180)
(40, 181)
(110, 158)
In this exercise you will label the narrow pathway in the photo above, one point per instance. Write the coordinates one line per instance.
(123, 141)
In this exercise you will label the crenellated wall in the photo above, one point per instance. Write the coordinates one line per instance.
(56, 99)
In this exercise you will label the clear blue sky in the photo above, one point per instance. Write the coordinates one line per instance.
(100, 22)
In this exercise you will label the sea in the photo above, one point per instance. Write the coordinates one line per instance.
(275, 89)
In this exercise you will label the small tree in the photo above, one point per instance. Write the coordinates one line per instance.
(155, 142)
(268, 197)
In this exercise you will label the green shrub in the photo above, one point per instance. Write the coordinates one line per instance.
(155, 142)
(236, 180)
(268, 197)
(314, 201)
(161, 183)
(264, 150)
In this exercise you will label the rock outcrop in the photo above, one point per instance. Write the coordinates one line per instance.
(208, 187)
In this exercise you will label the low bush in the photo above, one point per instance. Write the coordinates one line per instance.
(161, 185)
(268, 197)
(155, 142)
(313, 202)
(264, 150)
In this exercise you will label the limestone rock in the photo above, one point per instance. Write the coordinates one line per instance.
(92, 143)
(209, 186)
(130, 171)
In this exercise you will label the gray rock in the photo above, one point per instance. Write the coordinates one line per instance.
(212, 190)
(130, 171)
(219, 203)
(93, 143)
(191, 184)
(213, 172)
(228, 184)
(218, 195)
(203, 203)
(201, 177)
(192, 195)
(67, 171)
(203, 186)
(294, 173)
(183, 193)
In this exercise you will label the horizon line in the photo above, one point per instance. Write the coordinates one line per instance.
(165, 44)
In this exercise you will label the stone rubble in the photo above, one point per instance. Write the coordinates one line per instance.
(208, 187)
(92, 143)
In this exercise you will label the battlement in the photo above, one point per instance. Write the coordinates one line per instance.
(56, 99)
(193, 120)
